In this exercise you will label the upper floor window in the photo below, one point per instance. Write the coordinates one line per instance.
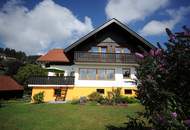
(103, 49)
(126, 50)
(118, 50)
(94, 49)
(126, 72)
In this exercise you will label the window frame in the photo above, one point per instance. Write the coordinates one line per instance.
(124, 77)
(128, 93)
(97, 74)
(99, 91)
(55, 94)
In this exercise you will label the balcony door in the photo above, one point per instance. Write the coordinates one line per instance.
(103, 51)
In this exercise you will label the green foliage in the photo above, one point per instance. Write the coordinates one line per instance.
(95, 96)
(13, 53)
(38, 98)
(11, 66)
(29, 70)
(136, 124)
(129, 100)
(164, 84)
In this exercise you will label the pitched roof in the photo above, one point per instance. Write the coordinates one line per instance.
(104, 26)
(54, 55)
(8, 84)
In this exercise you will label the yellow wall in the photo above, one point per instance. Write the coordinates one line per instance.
(48, 93)
(75, 92)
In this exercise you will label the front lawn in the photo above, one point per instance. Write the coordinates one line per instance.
(24, 116)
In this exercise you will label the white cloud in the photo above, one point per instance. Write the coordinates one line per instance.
(155, 27)
(48, 25)
(133, 10)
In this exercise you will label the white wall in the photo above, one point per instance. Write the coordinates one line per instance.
(118, 82)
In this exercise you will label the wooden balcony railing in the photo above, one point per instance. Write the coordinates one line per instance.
(51, 80)
(105, 57)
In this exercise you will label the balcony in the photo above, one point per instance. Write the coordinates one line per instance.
(105, 57)
(51, 80)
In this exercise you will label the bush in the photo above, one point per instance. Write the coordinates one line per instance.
(83, 100)
(129, 100)
(95, 96)
(39, 97)
(163, 86)
(106, 101)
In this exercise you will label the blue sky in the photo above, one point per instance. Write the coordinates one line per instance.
(35, 26)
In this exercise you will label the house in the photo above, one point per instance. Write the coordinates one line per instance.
(9, 88)
(101, 61)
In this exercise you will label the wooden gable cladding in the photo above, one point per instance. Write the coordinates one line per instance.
(112, 36)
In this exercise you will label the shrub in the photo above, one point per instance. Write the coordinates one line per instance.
(106, 101)
(129, 100)
(95, 96)
(163, 86)
(83, 100)
(39, 97)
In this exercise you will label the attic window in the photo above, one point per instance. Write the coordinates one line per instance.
(94, 49)
(126, 50)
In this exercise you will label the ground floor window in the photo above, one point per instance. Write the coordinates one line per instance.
(57, 92)
(96, 74)
(127, 91)
(101, 91)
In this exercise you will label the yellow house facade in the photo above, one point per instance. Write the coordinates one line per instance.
(101, 61)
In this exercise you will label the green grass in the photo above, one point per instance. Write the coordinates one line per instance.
(24, 116)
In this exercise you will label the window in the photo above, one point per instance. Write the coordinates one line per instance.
(103, 49)
(91, 74)
(110, 74)
(57, 92)
(102, 74)
(126, 73)
(94, 49)
(128, 91)
(96, 74)
(87, 74)
(105, 74)
(101, 91)
(117, 50)
(126, 50)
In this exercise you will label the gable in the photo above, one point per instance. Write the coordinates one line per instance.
(112, 32)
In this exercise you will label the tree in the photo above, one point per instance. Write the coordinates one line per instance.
(164, 82)
(29, 70)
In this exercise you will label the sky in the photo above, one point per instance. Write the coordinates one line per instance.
(35, 26)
